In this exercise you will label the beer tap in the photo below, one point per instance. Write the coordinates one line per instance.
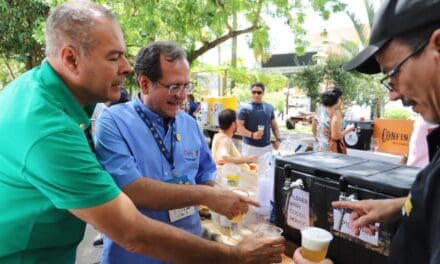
(343, 196)
(289, 185)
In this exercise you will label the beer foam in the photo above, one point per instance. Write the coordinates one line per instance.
(315, 239)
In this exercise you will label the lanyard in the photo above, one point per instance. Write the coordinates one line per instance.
(160, 144)
(89, 137)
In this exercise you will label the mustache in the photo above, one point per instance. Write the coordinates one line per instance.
(407, 102)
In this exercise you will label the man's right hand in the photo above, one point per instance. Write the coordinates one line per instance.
(228, 203)
(258, 249)
(366, 213)
(258, 134)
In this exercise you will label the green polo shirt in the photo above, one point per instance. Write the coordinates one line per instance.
(46, 168)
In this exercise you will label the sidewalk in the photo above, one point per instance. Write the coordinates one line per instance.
(86, 252)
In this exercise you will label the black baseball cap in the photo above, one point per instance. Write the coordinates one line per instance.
(393, 18)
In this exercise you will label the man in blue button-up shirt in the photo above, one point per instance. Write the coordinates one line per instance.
(151, 138)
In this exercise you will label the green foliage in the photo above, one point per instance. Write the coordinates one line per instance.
(398, 114)
(19, 19)
(277, 99)
(309, 79)
(358, 88)
(19, 50)
(197, 25)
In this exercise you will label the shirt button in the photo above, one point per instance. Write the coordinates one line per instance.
(166, 173)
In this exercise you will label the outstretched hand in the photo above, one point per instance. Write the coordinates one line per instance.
(366, 213)
(229, 203)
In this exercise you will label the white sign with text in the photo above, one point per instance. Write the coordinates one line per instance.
(298, 209)
(345, 228)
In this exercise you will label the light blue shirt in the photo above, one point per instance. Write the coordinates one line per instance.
(127, 150)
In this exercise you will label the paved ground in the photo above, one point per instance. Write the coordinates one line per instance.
(87, 253)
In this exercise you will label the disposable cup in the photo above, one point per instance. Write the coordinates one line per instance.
(269, 230)
(315, 242)
(239, 217)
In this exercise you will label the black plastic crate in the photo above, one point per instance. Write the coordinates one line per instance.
(322, 175)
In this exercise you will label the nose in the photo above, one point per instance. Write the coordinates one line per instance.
(124, 67)
(394, 95)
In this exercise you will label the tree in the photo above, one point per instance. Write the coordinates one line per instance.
(17, 42)
(197, 25)
(202, 25)
(309, 79)
(367, 88)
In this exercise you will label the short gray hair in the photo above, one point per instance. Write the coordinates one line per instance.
(74, 21)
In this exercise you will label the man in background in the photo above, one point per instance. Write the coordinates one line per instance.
(255, 121)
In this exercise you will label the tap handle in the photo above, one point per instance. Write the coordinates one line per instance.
(287, 170)
(343, 185)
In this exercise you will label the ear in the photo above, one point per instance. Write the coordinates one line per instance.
(145, 84)
(70, 59)
(435, 40)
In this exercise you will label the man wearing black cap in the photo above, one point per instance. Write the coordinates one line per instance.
(405, 46)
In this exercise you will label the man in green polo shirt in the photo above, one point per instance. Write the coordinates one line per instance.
(50, 180)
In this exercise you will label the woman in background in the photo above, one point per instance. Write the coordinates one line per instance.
(329, 120)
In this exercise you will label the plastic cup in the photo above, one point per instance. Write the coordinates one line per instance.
(269, 230)
(235, 230)
(315, 242)
(239, 217)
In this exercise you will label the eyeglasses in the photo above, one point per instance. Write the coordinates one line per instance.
(257, 92)
(174, 89)
(386, 80)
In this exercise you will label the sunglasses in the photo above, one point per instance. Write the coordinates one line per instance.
(257, 92)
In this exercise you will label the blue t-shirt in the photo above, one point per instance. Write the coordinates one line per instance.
(254, 114)
(128, 151)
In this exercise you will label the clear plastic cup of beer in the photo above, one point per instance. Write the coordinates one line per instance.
(235, 230)
(269, 230)
(314, 243)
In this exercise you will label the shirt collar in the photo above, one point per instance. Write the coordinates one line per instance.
(56, 86)
(152, 116)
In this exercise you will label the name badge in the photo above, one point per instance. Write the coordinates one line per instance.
(178, 214)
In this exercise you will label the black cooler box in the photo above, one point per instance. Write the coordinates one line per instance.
(360, 137)
(325, 177)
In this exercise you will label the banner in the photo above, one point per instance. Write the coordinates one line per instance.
(392, 135)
